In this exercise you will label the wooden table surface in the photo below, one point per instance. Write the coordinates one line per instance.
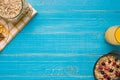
(62, 42)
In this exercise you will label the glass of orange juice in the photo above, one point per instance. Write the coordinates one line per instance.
(112, 35)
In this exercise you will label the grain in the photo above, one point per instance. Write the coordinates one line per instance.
(10, 8)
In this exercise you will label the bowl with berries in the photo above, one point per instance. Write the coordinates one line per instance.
(108, 67)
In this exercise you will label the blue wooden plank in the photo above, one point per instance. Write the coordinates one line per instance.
(46, 65)
(75, 4)
(47, 78)
(47, 69)
(59, 43)
(47, 57)
(80, 22)
(76, 15)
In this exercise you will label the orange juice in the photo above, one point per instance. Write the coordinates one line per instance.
(117, 34)
(112, 35)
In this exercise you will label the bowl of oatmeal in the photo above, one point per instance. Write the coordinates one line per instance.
(12, 10)
(108, 67)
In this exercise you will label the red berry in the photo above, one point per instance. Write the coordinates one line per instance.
(100, 67)
(117, 74)
(106, 76)
(106, 68)
(114, 64)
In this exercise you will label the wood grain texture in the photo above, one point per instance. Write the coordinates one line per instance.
(62, 42)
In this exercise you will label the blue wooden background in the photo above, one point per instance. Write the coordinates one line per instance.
(62, 42)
